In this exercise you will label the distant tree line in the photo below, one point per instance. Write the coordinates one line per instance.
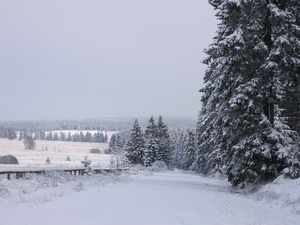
(63, 136)
(7, 132)
(93, 124)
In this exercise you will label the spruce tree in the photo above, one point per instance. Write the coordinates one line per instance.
(179, 139)
(112, 142)
(189, 150)
(135, 145)
(118, 158)
(151, 143)
(163, 152)
(239, 128)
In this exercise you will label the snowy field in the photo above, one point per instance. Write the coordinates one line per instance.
(143, 197)
(57, 151)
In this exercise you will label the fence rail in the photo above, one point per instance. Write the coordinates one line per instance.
(75, 171)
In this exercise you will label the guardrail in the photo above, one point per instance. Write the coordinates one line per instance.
(75, 171)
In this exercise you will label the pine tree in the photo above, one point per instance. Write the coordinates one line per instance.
(239, 130)
(55, 136)
(11, 133)
(151, 143)
(21, 136)
(63, 136)
(69, 138)
(87, 164)
(163, 153)
(189, 150)
(118, 158)
(81, 137)
(112, 142)
(135, 145)
(151, 130)
(49, 136)
(29, 143)
(179, 150)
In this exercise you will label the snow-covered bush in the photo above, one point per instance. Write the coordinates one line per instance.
(48, 160)
(159, 166)
(95, 150)
(87, 164)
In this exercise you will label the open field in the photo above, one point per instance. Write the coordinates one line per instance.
(57, 151)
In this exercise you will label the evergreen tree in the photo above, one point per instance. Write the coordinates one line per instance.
(87, 164)
(75, 137)
(37, 136)
(21, 136)
(189, 150)
(151, 143)
(49, 136)
(179, 140)
(11, 133)
(81, 137)
(118, 158)
(42, 135)
(55, 136)
(135, 145)
(151, 129)
(239, 131)
(112, 142)
(88, 137)
(151, 147)
(63, 136)
(29, 143)
(163, 152)
(69, 138)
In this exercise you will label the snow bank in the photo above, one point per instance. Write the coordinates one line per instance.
(39, 188)
(282, 191)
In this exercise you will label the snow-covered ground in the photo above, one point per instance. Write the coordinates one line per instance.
(146, 197)
(57, 151)
(166, 197)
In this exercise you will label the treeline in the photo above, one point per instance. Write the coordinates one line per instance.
(63, 136)
(36, 126)
(8, 132)
(92, 124)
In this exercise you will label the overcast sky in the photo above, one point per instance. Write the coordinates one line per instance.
(68, 59)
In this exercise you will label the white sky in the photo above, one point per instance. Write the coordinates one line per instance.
(70, 59)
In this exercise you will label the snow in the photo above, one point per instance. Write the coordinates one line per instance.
(154, 196)
(57, 153)
(165, 197)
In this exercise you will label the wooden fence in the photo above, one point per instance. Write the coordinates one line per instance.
(75, 171)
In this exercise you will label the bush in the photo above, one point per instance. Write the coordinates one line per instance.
(29, 143)
(8, 159)
(159, 166)
(95, 150)
(48, 160)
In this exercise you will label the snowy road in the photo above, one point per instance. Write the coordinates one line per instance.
(165, 198)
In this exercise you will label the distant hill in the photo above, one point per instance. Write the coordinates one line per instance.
(107, 124)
